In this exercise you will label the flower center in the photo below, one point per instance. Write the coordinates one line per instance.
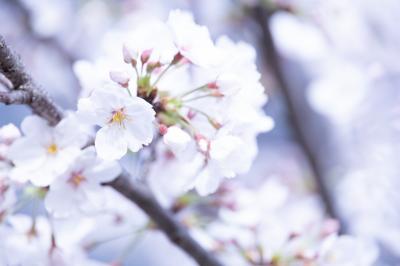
(76, 179)
(118, 117)
(52, 149)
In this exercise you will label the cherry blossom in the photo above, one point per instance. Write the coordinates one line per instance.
(126, 122)
(44, 151)
(79, 187)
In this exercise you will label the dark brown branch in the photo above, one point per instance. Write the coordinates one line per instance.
(296, 114)
(15, 97)
(164, 219)
(25, 92)
(28, 92)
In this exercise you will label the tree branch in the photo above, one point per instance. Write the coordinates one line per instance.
(139, 194)
(26, 92)
(297, 114)
(15, 97)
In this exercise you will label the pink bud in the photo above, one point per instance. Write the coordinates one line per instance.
(191, 114)
(177, 58)
(163, 129)
(212, 85)
(145, 56)
(122, 78)
(216, 93)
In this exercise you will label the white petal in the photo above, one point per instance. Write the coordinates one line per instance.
(60, 202)
(110, 143)
(103, 172)
(89, 113)
(207, 182)
(143, 133)
(26, 152)
(176, 139)
(34, 125)
(69, 132)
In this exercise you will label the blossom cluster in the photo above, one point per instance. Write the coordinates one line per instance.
(277, 225)
(177, 111)
(170, 80)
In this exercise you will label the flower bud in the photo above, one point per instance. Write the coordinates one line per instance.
(214, 123)
(129, 56)
(216, 93)
(191, 114)
(145, 56)
(212, 85)
(152, 65)
(163, 129)
(122, 78)
(177, 58)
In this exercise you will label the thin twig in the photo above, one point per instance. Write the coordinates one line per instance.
(26, 92)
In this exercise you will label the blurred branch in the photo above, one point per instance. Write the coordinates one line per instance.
(139, 194)
(296, 111)
(15, 97)
(26, 92)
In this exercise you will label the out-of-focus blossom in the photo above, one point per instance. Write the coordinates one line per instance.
(79, 188)
(44, 151)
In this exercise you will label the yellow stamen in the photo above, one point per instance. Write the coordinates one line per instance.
(52, 149)
(118, 117)
(76, 179)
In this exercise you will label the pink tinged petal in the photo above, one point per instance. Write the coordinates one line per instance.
(110, 143)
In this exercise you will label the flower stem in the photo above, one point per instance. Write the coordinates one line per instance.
(162, 74)
(192, 91)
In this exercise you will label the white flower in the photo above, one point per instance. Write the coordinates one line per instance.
(193, 41)
(118, 217)
(176, 139)
(79, 188)
(222, 159)
(44, 151)
(126, 121)
(29, 241)
(171, 175)
(347, 251)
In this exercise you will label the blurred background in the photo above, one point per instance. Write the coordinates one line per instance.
(331, 70)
